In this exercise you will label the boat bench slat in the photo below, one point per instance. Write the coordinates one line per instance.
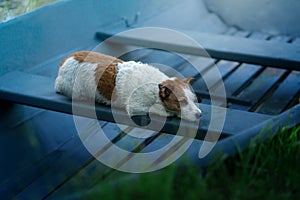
(282, 96)
(266, 53)
(38, 91)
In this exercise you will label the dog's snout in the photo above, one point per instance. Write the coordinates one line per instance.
(198, 114)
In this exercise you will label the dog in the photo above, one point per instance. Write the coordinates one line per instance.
(134, 86)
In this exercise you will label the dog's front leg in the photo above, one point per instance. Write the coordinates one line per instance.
(156, 109)
(159, 109)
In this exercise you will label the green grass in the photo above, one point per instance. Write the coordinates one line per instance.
(268, 170)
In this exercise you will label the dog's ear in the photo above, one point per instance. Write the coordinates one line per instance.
(188, 80)
(164, 90)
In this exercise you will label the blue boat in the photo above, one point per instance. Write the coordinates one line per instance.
(45, 144)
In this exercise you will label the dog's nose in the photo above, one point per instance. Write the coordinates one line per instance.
(198, 114)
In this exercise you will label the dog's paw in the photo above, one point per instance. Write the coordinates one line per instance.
(160, 110)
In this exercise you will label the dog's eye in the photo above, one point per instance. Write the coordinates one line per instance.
(183, 101)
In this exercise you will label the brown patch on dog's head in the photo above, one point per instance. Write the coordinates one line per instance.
(171, 93)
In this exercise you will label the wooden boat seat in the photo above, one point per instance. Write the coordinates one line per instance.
(38, 91)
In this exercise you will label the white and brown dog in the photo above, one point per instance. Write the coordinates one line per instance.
(131, 85)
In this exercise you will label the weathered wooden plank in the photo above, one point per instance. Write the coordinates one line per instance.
(83, 180)
(18, 114)
(252, 71)
(231, 31)
(38, 91)
(217, 46)
(199, 85)
(31, 146)
(136, 54)
(171, 151)
(57, 172)
(224, 67)
(228, 146)
(74, 158)
(261, 85)
(242, 34)
(200, 65)
(279, 100)
(241, 76)
(90, 176)
(162, 57)
(217, 87)
(28, 174)
(280, 38)
(48, 149)
(259, 35)
(164, 61)
(295, 101)
(50, 67)
(179, 67)
(134, 138)
(239, 106)
(93, 173)
(161, 141)
(296, 41)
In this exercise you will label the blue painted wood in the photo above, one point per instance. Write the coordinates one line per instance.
(246, 74)
(175, 65)
(160, 142)
(16, 115)
(136, 55)
(230, 146)
(94, 172)
(261, 85)
(39, 91)
(33, 149)
(128, 142)
(224, 67)
(281, 38)
(69, 164)
(50, 67)
(73, 27)
(47, 140)
(239, 78)
(231, 31)
(242, 34)
(282, 96)
(28, 174)
(259, 35)
(164, 61)
(59, 157)
(202, 64)
(217, 46)
(58, 172)
(296, 41)
(200, 87)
